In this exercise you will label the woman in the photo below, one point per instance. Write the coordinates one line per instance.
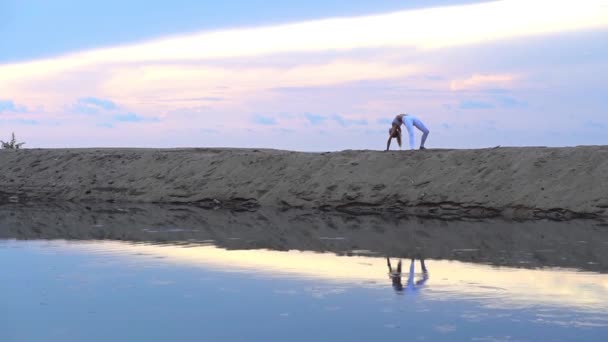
(410, 122)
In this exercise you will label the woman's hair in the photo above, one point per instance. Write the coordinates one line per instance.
(395, 132)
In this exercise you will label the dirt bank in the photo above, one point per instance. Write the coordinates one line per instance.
(521, 183)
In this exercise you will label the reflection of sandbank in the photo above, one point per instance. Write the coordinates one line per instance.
(574, 244)
(501, 287)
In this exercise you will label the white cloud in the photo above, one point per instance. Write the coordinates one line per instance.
(478, 81)
(422, 29)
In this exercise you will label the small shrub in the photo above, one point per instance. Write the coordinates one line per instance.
(13, 144)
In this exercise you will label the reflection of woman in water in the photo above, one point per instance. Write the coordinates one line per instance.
(411, 285)
(395, 275)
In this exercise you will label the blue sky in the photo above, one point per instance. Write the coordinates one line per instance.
(305, 75)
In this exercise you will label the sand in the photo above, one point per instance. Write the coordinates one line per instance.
(516, 183)
(579, 244)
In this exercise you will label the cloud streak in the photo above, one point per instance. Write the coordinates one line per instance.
(419, 29)
(315, 119)
(95, 102)
(10, 106)
(93, 105)
(6, 106)
(478, 81)
(346, 122)
(132, 117)
(264, 120)
(475, 105)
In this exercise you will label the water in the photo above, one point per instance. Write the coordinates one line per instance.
(177, 273)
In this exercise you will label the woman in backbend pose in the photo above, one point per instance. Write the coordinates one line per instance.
(410, 122)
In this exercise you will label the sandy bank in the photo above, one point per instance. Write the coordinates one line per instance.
(522, 183)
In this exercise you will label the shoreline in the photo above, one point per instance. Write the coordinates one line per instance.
(521, 183)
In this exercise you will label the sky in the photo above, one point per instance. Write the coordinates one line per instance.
(303, 75)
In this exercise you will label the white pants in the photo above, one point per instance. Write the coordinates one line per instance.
(411, 121)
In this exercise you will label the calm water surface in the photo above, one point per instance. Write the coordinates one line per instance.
(169, 274)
